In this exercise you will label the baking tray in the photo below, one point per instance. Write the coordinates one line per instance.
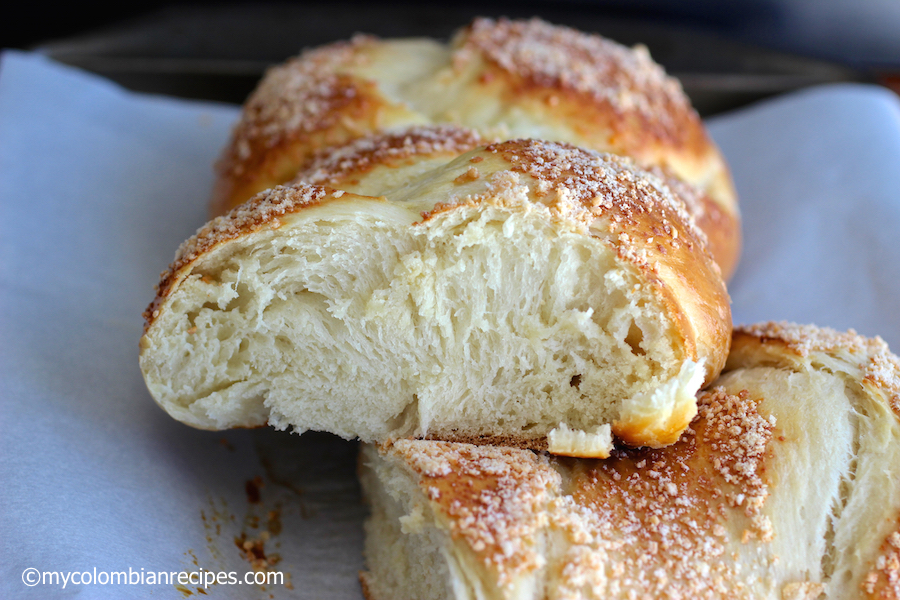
(219, 53)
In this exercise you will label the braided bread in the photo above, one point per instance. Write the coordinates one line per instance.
(507, 79)
(784, 487)
(548, 296)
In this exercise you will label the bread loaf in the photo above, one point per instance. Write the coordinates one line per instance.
(507, 79)
(549, 295)
(784, 487)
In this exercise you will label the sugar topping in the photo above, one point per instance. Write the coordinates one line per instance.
(879, 366)
(802, 590)
(695, 199)
(601, 70)
(662, 523)
(305, 94)
(804, 339)
(262, 210)
(666, 519)
(589, 184)
(884, 579)
(493, 496)
(331, 165)
(738, 435)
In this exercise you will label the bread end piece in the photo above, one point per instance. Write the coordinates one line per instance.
(560, 285)
(783, 487)
(597, 443)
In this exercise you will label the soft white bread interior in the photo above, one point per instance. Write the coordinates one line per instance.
(507, 79)
(544, 285)
(785, 487)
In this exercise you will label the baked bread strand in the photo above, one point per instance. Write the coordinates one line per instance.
(377, 162)
(784, 487)
(548, 296)
(505, 78)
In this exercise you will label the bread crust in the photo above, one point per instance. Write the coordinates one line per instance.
(614, 98)
(729, 511)
(313, 101)
(346, 166)
(504, 78)
(605, 200)
(614, 522)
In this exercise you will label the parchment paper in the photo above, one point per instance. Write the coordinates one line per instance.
(98, 187)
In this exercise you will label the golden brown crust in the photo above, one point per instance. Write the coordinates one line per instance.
(366, 586)
(716, 514)
(588, 80)
(596, 185)
(308, 103)
(651, 432)
(344, 164)
(621, 518)
(803, 339)
(721, 226)
(675, 506)
(493, 497)
(583, 88)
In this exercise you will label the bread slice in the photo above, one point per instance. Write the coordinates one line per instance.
(507, 79)
(784, 487)
(544, 286)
